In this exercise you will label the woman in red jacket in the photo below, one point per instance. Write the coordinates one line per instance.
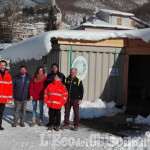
(55, 96)
(37, 87)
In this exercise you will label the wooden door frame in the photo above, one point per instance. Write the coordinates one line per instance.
(130, 52)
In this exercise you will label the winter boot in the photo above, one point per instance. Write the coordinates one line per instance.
(14, 125)
(75, 128)
(22, 124)
(48, 124)
(33, 122)
(41, 122)
(51, 127)
(1, 128)
(64, 127)
(56, 128)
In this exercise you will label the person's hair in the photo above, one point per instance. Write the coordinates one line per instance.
(57, 74)
(54, 64)
(73, 69)
(37, 70)
(3, 61)
(22, 66)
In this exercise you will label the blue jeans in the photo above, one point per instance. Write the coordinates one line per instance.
(41, 104)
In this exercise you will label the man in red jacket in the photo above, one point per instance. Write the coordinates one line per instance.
(6, 89)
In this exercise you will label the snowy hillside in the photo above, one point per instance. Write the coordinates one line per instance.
(86, 7)
(116, 4)
(23, 3)
(75, 10)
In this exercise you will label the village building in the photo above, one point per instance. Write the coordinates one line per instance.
(104, 19)
(26, 30)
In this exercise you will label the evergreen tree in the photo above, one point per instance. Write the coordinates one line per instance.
(51, 20)
(5, 34)
(31, 11)
(84, 19)
(28, 11)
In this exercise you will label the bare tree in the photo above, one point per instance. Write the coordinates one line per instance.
(12, 6)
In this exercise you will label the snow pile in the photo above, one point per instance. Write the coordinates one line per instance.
(129, 120)
(139, 120)
(142, 120)
(97, 108)
(87, 110)
(38, 46)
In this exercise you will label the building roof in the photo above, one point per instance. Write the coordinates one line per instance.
(38, 46)
(39, 23)
(102, 24)
(140, 21)
(114, 12)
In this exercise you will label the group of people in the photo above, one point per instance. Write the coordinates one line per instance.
(54, 90)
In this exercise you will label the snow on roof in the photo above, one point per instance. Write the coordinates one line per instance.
(26, 24)
(114, 12)
(27, 34)
(40, 23)
(140, 21)
(40, 45)
(100, 23)
(31, 28)
(5, 45)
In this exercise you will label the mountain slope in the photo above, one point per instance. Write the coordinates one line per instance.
(143, 12)
(74, 10)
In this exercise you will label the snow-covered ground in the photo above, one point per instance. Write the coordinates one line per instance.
(38, 138)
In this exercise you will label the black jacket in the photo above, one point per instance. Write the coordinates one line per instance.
(74, 88)
(50, 77)
(2, 74)
(20, 93)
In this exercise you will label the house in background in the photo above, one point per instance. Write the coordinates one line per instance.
(26, 30)
(112, 20)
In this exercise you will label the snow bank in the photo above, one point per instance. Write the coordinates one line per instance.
(88, 110)
(40, 45)
(130, 120)
(142, 120)
(139, 120)
(97, 108)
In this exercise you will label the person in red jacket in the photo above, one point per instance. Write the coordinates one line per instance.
(36, 91)
(55, 96)
(6, 89)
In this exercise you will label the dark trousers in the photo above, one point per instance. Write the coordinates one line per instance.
(54, 116)
(68, 106)
(20, 105)
(2, 107)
